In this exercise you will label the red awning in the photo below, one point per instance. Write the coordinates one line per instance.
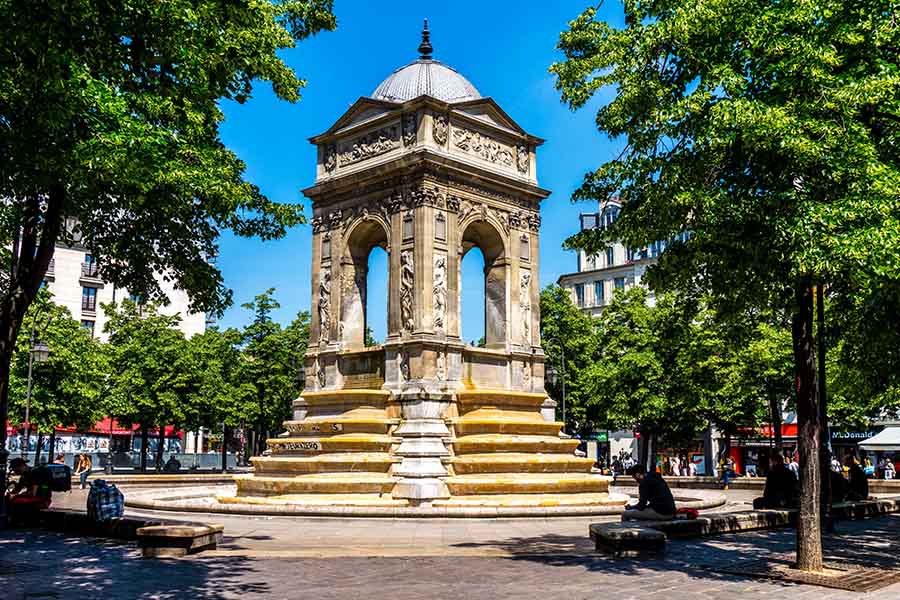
(104, 426)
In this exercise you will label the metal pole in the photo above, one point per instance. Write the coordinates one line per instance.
(28, 394)
(562, 353)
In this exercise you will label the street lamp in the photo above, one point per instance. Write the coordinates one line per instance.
(552, 377)
(39, 352)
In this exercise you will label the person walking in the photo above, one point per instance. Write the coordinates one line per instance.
(889, 470)
(83, 466)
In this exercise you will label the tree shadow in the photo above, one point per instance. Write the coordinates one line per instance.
(50, 565)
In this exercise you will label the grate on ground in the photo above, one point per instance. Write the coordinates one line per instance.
(854, 578)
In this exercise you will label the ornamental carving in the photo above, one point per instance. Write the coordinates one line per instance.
(441, 367)
(439, 291)
(440, 127)
(525, 305)
(409, 124)
(522, 159)
(404, 365)
(320, 374)
(482, 146)
(330, 158)
(369, 145)
(318, 224)
(324, 306)
(407, 281)
(453, 203)
(534, 222)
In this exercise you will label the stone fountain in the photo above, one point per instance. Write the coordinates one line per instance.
(427, 169)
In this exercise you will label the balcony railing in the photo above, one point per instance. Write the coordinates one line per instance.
(89, 270)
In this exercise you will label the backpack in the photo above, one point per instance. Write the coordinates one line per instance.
(59, 477)
(104, 501)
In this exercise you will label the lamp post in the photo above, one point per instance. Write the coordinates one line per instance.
(39, 352)
(552, 377)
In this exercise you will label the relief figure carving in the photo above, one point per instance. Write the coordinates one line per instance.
(481, 145)
(369, 145)
(325, 306)
(409, 129)
(440, 128)
(407, 280)
(440, 291)
(525, 305)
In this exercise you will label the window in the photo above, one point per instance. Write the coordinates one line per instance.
(610, 256)
(136, 298)
(89, 298)
(598, 292)
(89, 325)
(579, 294)
(89, 266)
(620, 283)
(588, 221)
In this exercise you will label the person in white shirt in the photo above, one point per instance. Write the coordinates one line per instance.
(691, 469)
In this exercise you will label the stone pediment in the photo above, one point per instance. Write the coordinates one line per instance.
(363, 111)
(488, 111)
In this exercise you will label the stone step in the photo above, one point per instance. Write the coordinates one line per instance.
(526, 483)
(319, 483)
(319, 426)
(318, 500)
(544, 500)
(501, 399)
(498, 442)
(469, 425)
(520, 463)
(344, 442)
(379, 462)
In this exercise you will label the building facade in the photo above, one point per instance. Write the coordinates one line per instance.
(76, 282)
(616, 268)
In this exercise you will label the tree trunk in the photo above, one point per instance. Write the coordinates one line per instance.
(643, 449)
(160, 447)
(809, 532)
(37, 448)
(226, 435)
(145, 442)
(34, 239)
(52, 447)
(775, 410)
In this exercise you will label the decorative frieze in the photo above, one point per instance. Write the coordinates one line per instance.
(482, 146)
(330, 158)
(372, 144)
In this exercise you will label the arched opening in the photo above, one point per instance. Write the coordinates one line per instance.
(483, 236)
(471, 298)
(364, 273)
(376, 297)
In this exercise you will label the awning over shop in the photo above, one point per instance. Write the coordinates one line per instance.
(886, 441)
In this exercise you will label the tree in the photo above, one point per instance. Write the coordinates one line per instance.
(271, 365)
(769, 132)
(568, 334)
(154, 370)
(65, 388)
(109, 135)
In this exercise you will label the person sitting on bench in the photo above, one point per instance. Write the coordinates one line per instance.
(655, 502)
(859, 484)
(781, 487)
(31, 493)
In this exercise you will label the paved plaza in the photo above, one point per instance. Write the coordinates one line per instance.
(512, 558)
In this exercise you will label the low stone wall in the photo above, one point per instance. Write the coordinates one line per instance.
(876, 486)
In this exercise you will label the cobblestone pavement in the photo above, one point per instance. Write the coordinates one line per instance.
(295, 558)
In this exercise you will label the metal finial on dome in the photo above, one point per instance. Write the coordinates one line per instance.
(425, 48)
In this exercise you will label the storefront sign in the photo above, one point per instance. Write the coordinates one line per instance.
(601, 436)
(851, 435)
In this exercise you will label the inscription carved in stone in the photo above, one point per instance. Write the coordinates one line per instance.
(440, 291)
(482, 146)
(407, 281)
(369, 145)
(325, 306)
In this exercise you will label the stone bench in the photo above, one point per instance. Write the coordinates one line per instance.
(178, 540)
(627, 540)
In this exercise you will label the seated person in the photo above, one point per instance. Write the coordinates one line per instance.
(172, 465)
(781, 487)
(859, 483)
(655, 502)
(839, 488)
(31, 493)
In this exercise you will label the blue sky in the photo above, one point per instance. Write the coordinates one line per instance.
(503, 48)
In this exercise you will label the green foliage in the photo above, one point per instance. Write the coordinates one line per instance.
(110, 114)
(567, 333)
(272, 358)
(153, 370)
(769, 131)
(66, 389)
